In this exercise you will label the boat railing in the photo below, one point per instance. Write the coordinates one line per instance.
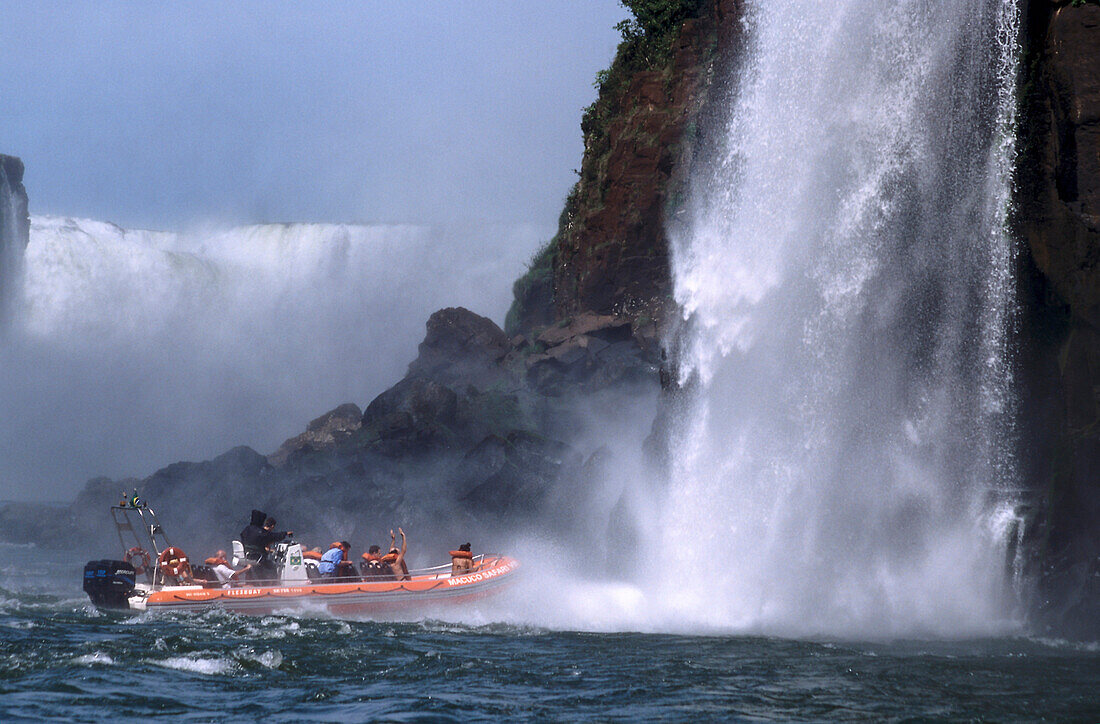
(442, 571)
(139, 532)
(429, 573)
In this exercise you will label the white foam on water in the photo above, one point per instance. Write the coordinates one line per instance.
(21, 625)
(269, 658)
(97, 658)
(198, 664)
(1063, 644)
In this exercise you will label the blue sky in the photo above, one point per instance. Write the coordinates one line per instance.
(161, 115)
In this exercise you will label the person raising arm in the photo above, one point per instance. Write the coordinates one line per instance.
(395, 559)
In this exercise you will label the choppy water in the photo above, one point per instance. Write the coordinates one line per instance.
(60, 658)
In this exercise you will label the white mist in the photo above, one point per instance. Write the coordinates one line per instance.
(135, 349)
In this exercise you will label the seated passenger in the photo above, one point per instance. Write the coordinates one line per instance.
(371, 567)
(220, 566)
(395, 559)
(329, 566)
(462, 560)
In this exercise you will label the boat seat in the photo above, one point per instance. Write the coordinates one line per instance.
(238, 553)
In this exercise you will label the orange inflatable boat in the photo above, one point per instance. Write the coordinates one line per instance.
(156, 576)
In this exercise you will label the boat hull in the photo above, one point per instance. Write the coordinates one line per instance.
(374, 598)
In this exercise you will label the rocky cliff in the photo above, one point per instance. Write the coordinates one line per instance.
(1058, 220)
(611, 252)
(15, 229)
(485, 434)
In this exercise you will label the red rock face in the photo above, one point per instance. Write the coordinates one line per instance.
(613, 250)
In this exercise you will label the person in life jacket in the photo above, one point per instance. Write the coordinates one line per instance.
(395, 559)
(219, 564)
(462, 560)
(372, 567)
(333, 560)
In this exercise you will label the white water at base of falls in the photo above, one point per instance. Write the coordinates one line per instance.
(842, 459)
(136, 349)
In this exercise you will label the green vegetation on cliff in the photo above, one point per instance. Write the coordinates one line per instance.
(609, 254)
(646, 45)
(533, 293)
(647, 37)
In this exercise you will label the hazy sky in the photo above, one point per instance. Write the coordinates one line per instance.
(159, 115)
(462, 115)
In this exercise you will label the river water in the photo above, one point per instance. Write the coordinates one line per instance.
(60, 658)
(842, 477)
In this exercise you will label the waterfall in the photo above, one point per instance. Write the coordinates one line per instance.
(843, 454)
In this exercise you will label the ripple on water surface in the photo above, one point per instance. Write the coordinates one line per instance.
(62, 658)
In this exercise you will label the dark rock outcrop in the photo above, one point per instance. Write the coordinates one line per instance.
(1060, 171)
(412, 416)
(464, 440)
(593, 351)
(15, 229)
(1058, 218)
(461, 348)
(515, 474)
(324, 433)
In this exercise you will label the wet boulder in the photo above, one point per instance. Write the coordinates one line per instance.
(591, 352)
(323, 433)
(460, 349)
(413, 415)
(513, 474)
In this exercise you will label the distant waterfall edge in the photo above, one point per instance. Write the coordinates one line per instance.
(842, 448)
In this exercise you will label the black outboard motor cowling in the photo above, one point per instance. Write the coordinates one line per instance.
(109, 583)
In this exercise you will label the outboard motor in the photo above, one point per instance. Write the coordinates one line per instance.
(109, 583)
